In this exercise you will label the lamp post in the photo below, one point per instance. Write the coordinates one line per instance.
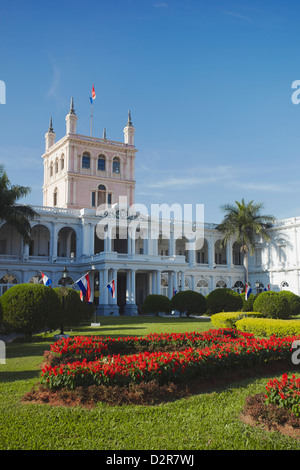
(257, 284)
(64, 281)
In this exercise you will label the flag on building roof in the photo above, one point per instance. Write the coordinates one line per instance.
(248, 291)
(93, 97)
(111, 288)
(85, 288)
(46, 280)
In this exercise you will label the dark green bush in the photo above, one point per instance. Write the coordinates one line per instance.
(30, 308)
(272, 305)
(293, 300)
(88, 309)
(223, 300)
(155, 303)
(72, 311)
(189, 302)
(1, 316)
(248, 304)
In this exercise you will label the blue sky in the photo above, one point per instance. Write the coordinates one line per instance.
(208, 84)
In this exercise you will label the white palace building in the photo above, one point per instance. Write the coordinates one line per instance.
(86, 225)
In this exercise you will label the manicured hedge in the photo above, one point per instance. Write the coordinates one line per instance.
(293, 300)
(188, 302)
(30, 308)
(229, 319)
(248, 304)
(155, 303)
(272, 305)
(223, 300)
(72, 313)
(268, 326)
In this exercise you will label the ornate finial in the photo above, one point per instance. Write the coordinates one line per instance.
(104, 133)
(72, 110)
(50, 126)
(129, 122)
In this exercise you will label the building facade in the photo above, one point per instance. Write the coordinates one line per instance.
(86, 224)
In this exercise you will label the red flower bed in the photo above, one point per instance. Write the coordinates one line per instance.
(92, 347)
(284, 393)
(203, 353)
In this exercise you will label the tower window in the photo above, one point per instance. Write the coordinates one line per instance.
(116, 165)
(55, 197)
(86, 161)
(101, 163)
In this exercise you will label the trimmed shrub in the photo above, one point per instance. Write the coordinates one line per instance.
(188, 302)
(72, 310)
(269, 326)
(155, 303)
(293, 300)
(88, 309)
(229, 319)
(30, 308)
(272, 305)
(223, 300)
(1, 316)
(247, 304)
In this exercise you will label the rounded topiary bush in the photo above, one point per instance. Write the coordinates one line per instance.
(248, 304)
(72, 310)
(188, 302)
(30, 308)
(223, 300)
(293, 300)
(272, 305)
(155, 303)
(87, 310)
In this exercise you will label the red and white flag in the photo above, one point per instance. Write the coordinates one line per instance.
(93, 93)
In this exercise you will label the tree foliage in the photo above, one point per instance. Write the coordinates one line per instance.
(17, 215)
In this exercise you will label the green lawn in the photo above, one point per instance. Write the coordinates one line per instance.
(206, 421)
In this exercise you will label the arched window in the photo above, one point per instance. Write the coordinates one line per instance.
(101, 194)
(238, 286)
(221, 283)
(37, 279)
(86, 161)
(56, 166)
(202, 283)
(6, 282)
(101, 163)
(284, 285)
(51, 169)
(116, 165)
(55, 193)
(67, 282)
(164, 287)
(62, 162)
(202, 287)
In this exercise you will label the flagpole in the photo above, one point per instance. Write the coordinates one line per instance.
(91, 117)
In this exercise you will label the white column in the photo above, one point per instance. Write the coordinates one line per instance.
(175, 281)
(105, 290)
(115, 277)
(158, 282)
(132, 296)
(54, 242)
(128, 287)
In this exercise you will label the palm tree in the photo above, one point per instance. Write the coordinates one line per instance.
(245, 221)
(17, 215)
